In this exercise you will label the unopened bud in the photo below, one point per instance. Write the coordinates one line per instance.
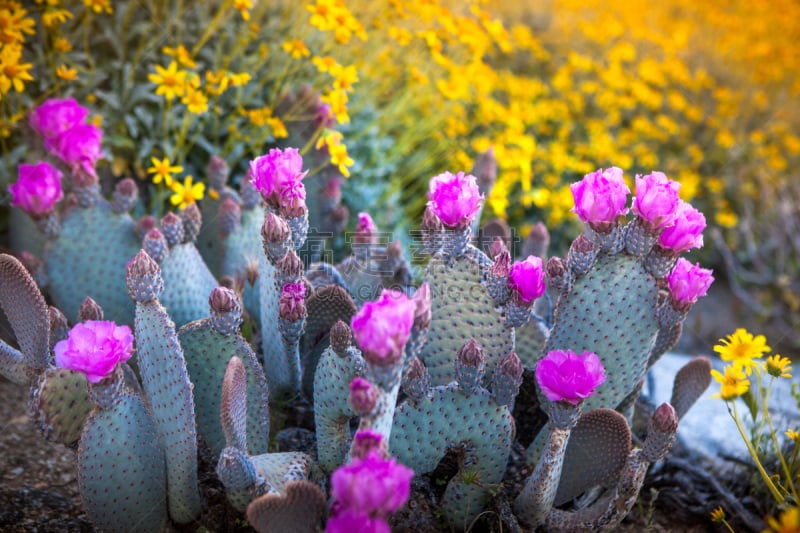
(341, 336)
(581, 245)
(275, 229)
(471, 354)
(223, 300)
(172, 228)
(192, 222)
(363, 396)
(665, 420)
(431, 222)
(555, 268)
(230, 216)
(90, 310)
(145, 224)
(143, 277)
(290, 265)
(125, 194)
(291, 305)
(155, 244)
(502, 264)
(497, 247)
(366, 441)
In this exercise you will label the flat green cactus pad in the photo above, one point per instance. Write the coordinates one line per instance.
(61, 404)
(121, 468)
(610, 311)
(461, 309)
(166, 383)
(243, 246)
(529, 340)
(275, 365)
(207, 354)
(187, 284)
(423, 431)
(89, 258)
(325, 307)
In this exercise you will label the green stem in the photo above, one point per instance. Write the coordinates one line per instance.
(778, 450)
(770, 485)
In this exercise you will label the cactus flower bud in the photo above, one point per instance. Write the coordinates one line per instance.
(230, 216)
(555, 268)
(431, 222)
(372, 485)
(55, 116)
(144, 225)
(291, 305)
(333, 190)
(366, 441)
(192, 222)
(381, 328)
(422, 301)
(688, 282)
(363, 396)
(656, 201)
(290, 265)
(340, 337)
(155, 244)
(37, 190)
(686, 232)
(273, 172)
(366, 230)
(90, 310)
(94, 348)
(172, 228)
(497, 247)
(217, 172)
(275, 229)
(454, 198)
(600, 198)
(526, 279)
(80, 147)
(501, 267)
(566, 376)
(125, 194)
(664, 419)
(143, 278)
(223, 300)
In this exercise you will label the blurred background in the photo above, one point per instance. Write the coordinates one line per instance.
(382, 95)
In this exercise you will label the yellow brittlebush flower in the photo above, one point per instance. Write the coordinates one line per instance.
(187, 192)
(163, 170)
(171, 82)
(741, 348)
(733, 383)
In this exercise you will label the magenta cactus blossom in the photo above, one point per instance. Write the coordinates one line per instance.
(275, 171)
(688, 282)
(566, 376)
(601, 197)
(656, 201)
(381, 328)
(38, 188)
(363, 396)
(454, 198)
(687, 231)
(372, 485)
(55, 116)
(293, 199)
(291, 304)
(366, 230)
(80, 147)
(526, 279)
(94, 347)
(350, 521)
(366, 441)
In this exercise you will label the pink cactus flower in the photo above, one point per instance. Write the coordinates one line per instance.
(656, 201)
(566, 376)
(351, 521)
(292, 199)
(373, 485)
(80, 147)
(600, 197)
(454, 198)
(687, 231)
(55, 116)
(365, 441)
(291, 305)
(366, 230)
(278, 169)
(37, 190)
(688, 282)
(94, 347)
(381, 328)
(526, 279)
(363, 396)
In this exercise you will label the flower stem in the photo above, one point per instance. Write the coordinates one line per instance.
(770, 485)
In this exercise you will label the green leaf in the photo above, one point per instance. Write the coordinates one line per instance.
(752, 404)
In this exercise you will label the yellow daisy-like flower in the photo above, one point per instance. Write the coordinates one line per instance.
(53, 17)
(12, 72)
(346, 78)
(196, 101)
(789, 522)
(62, 45)
(217, 82)
(163, 170)
(278, 128)
(181, 54)
(98, 6)
(325, 64)
(741, 348)
(296, 48)
(718, 514)
(186, 193)
(733, 383)
(793, 435)
(243, 7)
(14, 25)
(171, 81)
(778, 366)
(340, 159)
(242, 78)
(66, 73)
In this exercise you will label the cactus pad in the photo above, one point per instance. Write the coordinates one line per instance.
(207, 354)
(690, 383)
(89, 258)
(187, 284)
(425, 429)
(60, 404)
(460, 304)
(121, 468)
(299, 510)
(610, 311)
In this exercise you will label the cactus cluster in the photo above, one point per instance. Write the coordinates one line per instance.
(428, 377)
